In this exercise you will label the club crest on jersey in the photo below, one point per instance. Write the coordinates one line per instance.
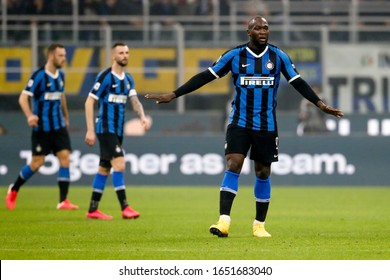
(269, 65)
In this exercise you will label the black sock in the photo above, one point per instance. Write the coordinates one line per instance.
(64, 188)
(96, 196)
(18, 183)
(225, 202)
(261, 210)
(121, 194)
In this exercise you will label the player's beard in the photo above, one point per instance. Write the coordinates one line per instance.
(260, 44)
(58, 63)
(122, 63)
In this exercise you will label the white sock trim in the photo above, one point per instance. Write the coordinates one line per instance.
(225, 218)
(256, 222)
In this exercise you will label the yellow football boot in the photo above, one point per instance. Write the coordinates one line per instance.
(259, 231)
(221, 228)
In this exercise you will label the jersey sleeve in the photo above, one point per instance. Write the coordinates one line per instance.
(33, 83)
(288, 68)
(222, 66)
(98, 89)
(132, 90)
(62, 74)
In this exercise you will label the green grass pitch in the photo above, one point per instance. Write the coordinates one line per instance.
(318, 223)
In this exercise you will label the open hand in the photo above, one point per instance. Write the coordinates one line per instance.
(161, 98)
(330, 110)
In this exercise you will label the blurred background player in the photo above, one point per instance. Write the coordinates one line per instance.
(112, 88)
(256, 69)
(49, 120)
(311, 120)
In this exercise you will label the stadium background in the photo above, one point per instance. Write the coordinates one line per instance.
(341, 46)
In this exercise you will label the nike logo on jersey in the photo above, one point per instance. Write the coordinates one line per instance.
(114, 86)
(245, 65)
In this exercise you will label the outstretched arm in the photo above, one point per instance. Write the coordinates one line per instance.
(306, 91)
(194, 83)
(329, 110)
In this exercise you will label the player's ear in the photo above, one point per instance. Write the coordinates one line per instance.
(113, 51)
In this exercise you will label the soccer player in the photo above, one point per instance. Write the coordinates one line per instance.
(49, 120)
(113, 86)
(256, 67)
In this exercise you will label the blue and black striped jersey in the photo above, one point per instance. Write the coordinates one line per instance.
(112, 91)
(46, 90)
(256, 80)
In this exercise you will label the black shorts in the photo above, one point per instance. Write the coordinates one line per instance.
(263, 144)
(43, 143)
(110, 148)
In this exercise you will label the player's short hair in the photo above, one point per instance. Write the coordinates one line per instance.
(252, 20)
(54, 46)
(118, 44)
